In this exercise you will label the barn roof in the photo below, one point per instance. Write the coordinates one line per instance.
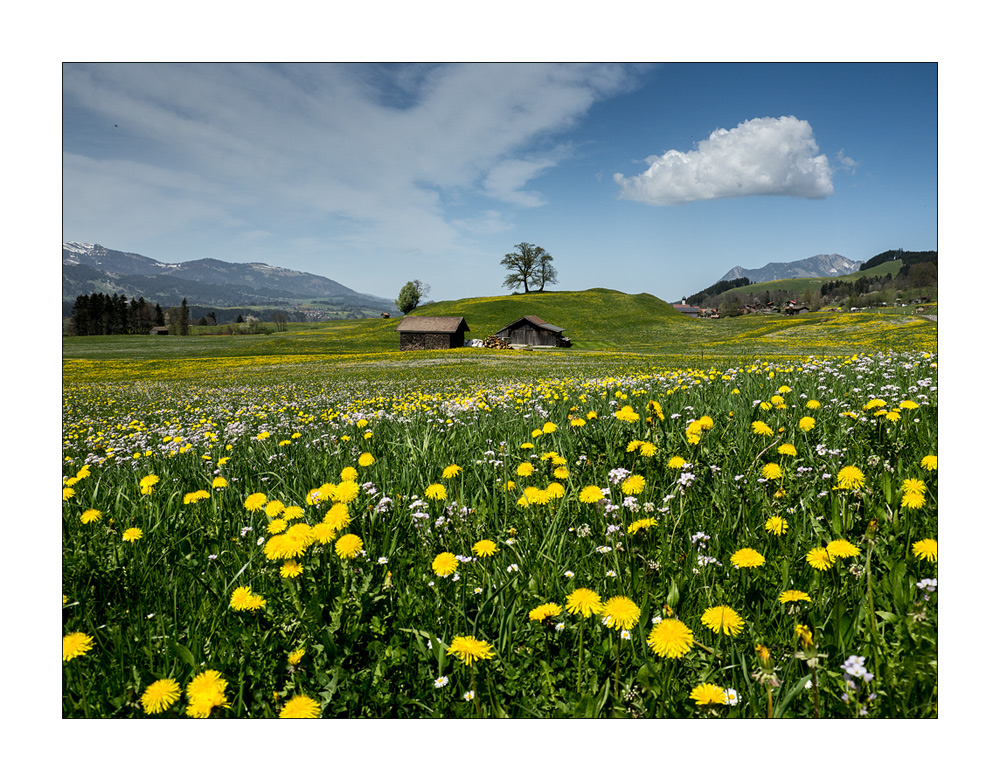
(535, 320)
(432, 325)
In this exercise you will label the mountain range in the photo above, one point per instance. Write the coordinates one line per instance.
(816, 266)
(91, 268)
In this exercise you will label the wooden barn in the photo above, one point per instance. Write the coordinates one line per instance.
(532, 331)
(431, 333)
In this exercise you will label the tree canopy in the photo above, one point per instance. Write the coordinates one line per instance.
(410, 295)
(529, 265)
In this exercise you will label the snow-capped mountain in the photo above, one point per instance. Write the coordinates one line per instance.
(91, 268)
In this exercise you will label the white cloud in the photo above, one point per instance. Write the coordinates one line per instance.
(380, 151)
(763, 156)
(846, 163)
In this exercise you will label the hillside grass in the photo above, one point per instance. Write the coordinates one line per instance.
(608, 328)
(801, 285)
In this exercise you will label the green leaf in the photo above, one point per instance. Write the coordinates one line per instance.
(181, 652)
(787, 699)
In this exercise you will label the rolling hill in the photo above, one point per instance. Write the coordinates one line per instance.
(598, 318)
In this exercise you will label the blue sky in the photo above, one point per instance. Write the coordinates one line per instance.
(640, 178)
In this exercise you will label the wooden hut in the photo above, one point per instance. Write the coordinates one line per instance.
(534, 332)
(431, 333)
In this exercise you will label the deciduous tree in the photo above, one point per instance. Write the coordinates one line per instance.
(530, 264)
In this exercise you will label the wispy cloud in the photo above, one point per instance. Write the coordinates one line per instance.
(763, 156)
(378, 150)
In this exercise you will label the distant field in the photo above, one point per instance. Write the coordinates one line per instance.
(607, 328)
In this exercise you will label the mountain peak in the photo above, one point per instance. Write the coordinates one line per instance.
(816, 266)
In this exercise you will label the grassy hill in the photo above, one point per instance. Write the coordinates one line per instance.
(594, 319)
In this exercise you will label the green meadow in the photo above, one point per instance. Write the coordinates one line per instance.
(675, 518)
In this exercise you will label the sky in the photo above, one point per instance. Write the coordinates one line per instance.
(640, 178)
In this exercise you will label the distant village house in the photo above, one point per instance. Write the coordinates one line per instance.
(160, 330)
(532, 331)
(431, 333)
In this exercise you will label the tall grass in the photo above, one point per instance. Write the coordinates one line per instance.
(375, 631)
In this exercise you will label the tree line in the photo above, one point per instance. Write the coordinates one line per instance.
(100, 314)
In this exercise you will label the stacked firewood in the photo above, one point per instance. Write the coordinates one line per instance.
(496, 343)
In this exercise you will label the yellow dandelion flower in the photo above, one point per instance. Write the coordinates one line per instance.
(771, 471)
(813, 404)
(338, 516)
(451, 471)
(349, 546)
(746, 558)
(324, 532)
(760, 427)
(296, 656)
(560, 473)
(255, 502)
(620, 613)
(132, 534)
(277, 526)
(929, 463)
(148, 484)
(708, 694)
(642, 523)
(806, 423)
(577, 422)
(584, 602)
(850, 477)
(206, 691)
(670, 638)
(913, 500)
(555, 491)
(633, 485)
(291, 569)
(819, 559)
(243, 599)
(627, 415)
(69, 493)
(300, 707)
(444, 564)
(219, 483)
(160, 695)
(842, 549)
(196, 496)
(436, 491)
(590, 494)
(346, 491)
(776, 525)
(292, 513)
(543, 612)
(676, 462)
(793, 596)
(366, 459)
(787, 449)
(91, 515)
(484, 548)
(525, 469)
(76, 644)
(468, 649)
(926, 549)
(549, 427)
(724, 619)
(348, 474)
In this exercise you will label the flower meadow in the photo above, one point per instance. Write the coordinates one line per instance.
(751, 541)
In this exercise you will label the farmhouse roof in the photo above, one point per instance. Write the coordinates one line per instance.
(535, 320)
(432, 325)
